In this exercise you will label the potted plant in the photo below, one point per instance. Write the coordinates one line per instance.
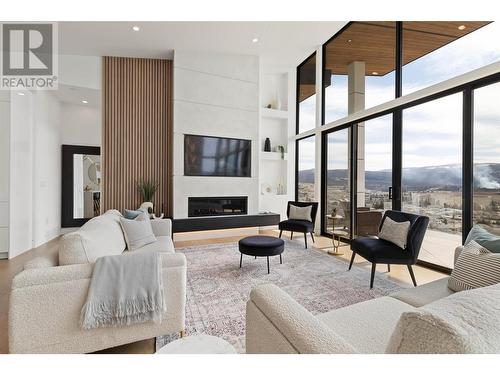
(147, 190)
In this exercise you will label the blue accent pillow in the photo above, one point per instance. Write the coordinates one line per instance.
(131, 214)
(484, 238)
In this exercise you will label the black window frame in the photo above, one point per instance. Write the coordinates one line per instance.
(297, 91)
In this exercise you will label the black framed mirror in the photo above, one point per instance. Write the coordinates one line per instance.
(81, 185)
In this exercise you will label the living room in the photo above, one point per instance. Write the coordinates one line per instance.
(192, 185)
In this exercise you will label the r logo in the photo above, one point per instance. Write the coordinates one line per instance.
(27, 49)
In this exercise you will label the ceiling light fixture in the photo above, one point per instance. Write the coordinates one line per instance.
(461, 27)
(85, 102)
(255, 40)
(375, 73)
(136, 28)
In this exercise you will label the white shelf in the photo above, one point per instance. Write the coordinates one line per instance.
(274, 113)
(267, 155)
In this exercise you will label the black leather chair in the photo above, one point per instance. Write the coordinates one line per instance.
(378, 251)
(301, 226)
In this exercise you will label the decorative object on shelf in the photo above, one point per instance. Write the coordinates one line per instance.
(280, 189)
(282, 150)
(266, 189)
(267, 145)
(269, 106)
(147, 190)
(278, 100)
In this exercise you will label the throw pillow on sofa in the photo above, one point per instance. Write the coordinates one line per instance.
(476, 267)
(300, 213)
(138, 232)
(484, 238)
(395, 232)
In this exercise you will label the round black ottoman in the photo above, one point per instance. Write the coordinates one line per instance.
(261, 246)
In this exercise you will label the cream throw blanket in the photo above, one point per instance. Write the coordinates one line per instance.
(124, 289)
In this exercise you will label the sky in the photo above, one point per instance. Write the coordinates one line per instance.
(432, 132)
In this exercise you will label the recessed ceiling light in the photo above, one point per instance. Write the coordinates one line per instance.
(20, 93)
(375, 73)
(255, 40)
(349, 40)
(461, 27)
(85, 102)
(136, 28)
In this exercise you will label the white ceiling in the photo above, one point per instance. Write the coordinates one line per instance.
(280, 43)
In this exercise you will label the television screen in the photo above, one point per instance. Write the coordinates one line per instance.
(214, 156)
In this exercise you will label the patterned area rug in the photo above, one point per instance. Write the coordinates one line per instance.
(217, 289)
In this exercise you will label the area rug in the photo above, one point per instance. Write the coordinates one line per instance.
(217, 289)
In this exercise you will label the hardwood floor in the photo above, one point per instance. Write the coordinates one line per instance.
(9, 268)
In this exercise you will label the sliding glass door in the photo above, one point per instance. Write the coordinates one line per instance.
(338, 186)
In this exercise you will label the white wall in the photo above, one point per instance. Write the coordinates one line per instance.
(81, 71)
(80, 125)
(4, 172)
(215, 94)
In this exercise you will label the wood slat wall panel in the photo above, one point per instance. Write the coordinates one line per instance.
(137, 131)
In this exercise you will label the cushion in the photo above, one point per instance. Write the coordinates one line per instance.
(300, 213)
(465, 322)
(162, 244)
(100, 236)
(296, 225)
(484, 238)
(395, 232)
(131, 214)
(138, 233)
(476, 267)
(368, 325)
(261, 245)
(424, 294)
(376, 250)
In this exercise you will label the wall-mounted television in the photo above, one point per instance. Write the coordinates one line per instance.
(216, 156)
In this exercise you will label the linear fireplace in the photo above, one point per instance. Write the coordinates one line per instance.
(217, 206)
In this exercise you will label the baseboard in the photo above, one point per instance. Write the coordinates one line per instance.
(4, 255)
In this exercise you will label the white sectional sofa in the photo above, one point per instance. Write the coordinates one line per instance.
(427, 319)
(47, 297)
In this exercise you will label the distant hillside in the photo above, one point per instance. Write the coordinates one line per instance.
(443, 177)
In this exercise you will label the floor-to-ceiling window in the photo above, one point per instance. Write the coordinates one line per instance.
(337, 198)
(306, 160)
(306, 94)
(359, 68)
(486, 151)
(432, 174)
(436, 51)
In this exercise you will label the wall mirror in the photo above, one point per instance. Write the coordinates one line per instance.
(81, 184)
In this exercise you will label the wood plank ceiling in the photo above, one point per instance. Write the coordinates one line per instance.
(375, 44)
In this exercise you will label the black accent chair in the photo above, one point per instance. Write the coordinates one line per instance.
(378, 251)
(301, 226)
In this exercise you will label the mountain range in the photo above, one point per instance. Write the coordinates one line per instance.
(442, 177)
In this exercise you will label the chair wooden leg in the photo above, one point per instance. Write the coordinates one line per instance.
(374, 266)
(388, 268)
(352, 260)
(291, 235)
(281, 232)
(241, 259)
(312, 236)
(412, 275)
(182, 333)
(267, 264)
(305, 239)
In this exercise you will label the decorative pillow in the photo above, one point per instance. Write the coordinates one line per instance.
(131, 214)
(484, 238)
(300, 213)
(395, 232)
(476, 267)
(467, 322)
(137, 233)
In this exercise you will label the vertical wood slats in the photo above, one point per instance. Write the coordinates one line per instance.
(137, 131)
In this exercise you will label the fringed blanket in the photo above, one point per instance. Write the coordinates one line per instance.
(125, 289)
